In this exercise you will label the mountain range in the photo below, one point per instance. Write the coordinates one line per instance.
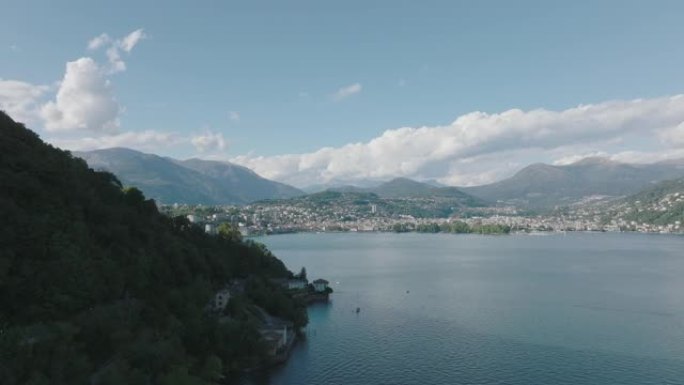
(543, 186)
(408, 188)
(192, 181)
(538, 186)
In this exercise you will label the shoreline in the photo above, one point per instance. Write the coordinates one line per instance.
(532, 232)
(282, 357)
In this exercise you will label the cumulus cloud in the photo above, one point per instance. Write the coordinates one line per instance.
(84, 101)
(209, 141)
(234, 116)
(347, 91)
(85, 97)
(20, 99)
(443, 152)
(145, 141)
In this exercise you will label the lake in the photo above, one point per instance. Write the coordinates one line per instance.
(581, 308)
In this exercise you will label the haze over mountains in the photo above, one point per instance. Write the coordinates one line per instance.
(538, 186)
(192, 181)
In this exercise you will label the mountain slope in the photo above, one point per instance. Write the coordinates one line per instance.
(192, 181)
(398, 188)
(401, 188)
(661, 204)
(243, 182)
(545, 186)
(97, 287)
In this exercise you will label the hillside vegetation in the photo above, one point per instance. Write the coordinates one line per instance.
(660, 205)
(97, 287)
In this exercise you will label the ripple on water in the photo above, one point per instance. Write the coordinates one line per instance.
(475, 315)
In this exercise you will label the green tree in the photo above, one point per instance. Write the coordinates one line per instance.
(230, 232)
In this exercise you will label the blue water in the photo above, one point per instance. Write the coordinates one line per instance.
(467, 309)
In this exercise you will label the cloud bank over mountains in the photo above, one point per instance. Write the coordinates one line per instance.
(81, 112)
(479, 147)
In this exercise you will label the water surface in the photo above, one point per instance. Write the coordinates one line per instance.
(467, 309)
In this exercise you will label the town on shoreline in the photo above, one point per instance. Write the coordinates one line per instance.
(282, 218)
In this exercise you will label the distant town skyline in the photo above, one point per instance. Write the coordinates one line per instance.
(307, 92)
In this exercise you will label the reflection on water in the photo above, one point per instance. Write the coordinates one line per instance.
(449, 309)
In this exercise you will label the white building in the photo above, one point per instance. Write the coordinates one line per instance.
(320, 285)
(210, 229)
(297, 284)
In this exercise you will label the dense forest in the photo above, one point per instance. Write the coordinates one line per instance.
(98, 287)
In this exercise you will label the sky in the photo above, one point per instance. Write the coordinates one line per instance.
(312, 92)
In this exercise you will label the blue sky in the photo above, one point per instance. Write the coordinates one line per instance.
(255, 81)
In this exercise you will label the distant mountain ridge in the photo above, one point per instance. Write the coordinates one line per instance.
(408, 188)
(192, 181)
(544, 186)
(537, 186)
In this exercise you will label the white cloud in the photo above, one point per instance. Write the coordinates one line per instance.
(130, 41)
(234, 116)
(145, 141)
(115, 46)
(511, 137)
(635, 156)
(116, 64)
(209, 141)
(84, 101)
(99, 41)
(347, 91)
(569, 159)
(674, 136)
(20, 99)
(85, 97)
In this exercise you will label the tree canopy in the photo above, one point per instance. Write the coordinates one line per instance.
(96, 286)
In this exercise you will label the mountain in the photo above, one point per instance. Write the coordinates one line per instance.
(661, 204)
(543, 186)
(192, 181)
(337, 185)
(245, 183)
(398, 188)
(402, 188)
(399, 196)
(364, 185)
(97, 287)
(658, 192)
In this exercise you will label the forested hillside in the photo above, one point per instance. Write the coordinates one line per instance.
(97, 287)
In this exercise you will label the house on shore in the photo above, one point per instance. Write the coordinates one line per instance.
(320, 285)
(297, 284)
(277, 333)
